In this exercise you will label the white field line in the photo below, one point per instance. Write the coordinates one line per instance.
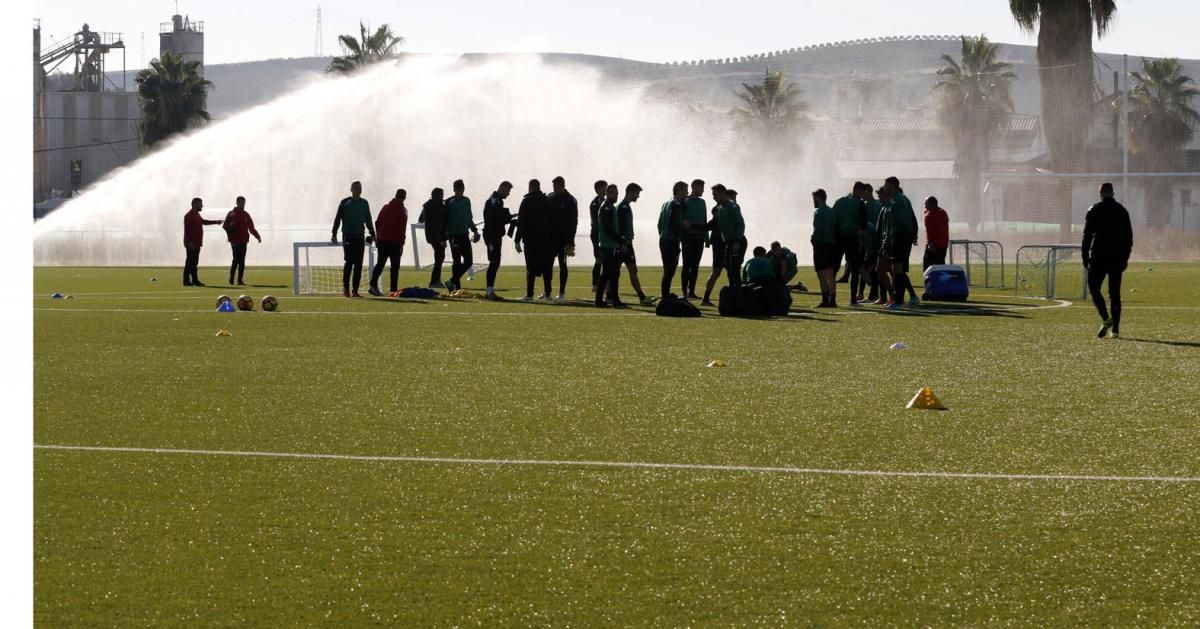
(627, 465)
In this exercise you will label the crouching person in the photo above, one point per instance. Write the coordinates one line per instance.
(762, 272)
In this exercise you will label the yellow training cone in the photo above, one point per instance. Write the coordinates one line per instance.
(717, 363)
(223, 333)
(926, 400)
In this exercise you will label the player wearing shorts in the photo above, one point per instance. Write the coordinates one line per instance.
(826, 256)
(718, 256)
(625, 230)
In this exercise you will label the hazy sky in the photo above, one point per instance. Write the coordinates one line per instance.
(651, 30)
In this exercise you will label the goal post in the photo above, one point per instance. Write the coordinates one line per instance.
(982, 260)
(1050, 272)
(317, 267)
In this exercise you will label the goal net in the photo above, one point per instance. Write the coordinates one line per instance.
(983, 261)
(1051, 272)
(317, 267)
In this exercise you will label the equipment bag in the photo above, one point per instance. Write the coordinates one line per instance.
(946, 282)
(675, 307)
(777, 301)
(741, 301)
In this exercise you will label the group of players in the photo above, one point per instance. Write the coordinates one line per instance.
(875, 236)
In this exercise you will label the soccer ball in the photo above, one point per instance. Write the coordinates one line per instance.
(269, 303)
(245, 302)
(223, 299)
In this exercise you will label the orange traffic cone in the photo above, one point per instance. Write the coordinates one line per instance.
(926, 400)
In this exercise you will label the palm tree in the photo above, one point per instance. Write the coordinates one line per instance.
(1064, 53)
(367, 49)
(773, 110)
(973, 106)
(173, 97)
(1161, 122)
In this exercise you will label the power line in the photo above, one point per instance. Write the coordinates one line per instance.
(84, 146)
(79, 118)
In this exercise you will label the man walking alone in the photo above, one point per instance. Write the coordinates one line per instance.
(1107, 243)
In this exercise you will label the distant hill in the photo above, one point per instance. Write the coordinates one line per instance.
(869, 77)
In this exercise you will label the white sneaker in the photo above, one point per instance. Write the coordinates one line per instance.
(543, 297)
(527, 299)
(561, 298)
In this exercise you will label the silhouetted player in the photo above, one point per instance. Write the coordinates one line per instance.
(496, 219)
(533, 233)
(390, 226)
(564, 220)
(670, 235)
(433, 217)
(193, 240)
(733, 232)
(1107, 243)
(354, 216)
(600, 186)
(849, 213)
(695, 237)
(608, 238)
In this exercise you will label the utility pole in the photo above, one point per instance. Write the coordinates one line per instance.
(1125, 135)
(319, 46)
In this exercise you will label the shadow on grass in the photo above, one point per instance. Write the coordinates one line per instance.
(1161, 342)
(928, 309)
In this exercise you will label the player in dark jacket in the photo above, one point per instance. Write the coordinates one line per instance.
(564, 221)
(1107, 243)
(496, 219)
(670, 236)
(533, 233)
(433, 217)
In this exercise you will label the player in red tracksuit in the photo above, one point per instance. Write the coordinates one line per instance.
(238, 228)
(937, 234)
(389, 239)
(193, 239)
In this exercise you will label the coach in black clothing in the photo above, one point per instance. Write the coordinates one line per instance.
(533, 233)
(1107, 242)
(564, 221)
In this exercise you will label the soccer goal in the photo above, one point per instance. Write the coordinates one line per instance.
(317, 267)
(1051, 272)
(983, 261)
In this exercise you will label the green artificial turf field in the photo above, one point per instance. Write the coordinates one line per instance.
(490, 487)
